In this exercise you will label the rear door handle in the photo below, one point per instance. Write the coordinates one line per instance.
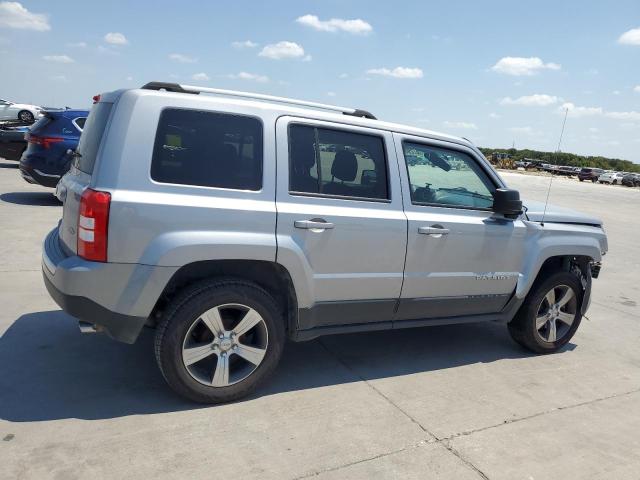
(433, 230)
(314, 224)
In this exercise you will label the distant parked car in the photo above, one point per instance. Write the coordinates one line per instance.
(565, 171)
(612, 178)
(591, 174)
(19, 111)
(631, 180)
(12, 142)
(46, 159)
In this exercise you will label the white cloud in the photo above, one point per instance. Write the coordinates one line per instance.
(201, 77)
(250, 76)
(244, 44)
(398, 72)
(58, 58)
(77, 44)
(14, 15)
(115, 38)
(520, 66)
(575, 111)
(632, 116)
(460, 125)
(494, 115)
(280, 50)
(636, 89)
(535, 100)
(356, 26)
(179, 57)
(630, 37)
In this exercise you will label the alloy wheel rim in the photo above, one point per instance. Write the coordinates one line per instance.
(556, 313)
(225, 345)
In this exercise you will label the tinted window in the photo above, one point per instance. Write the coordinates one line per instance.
(446, 177)
(91, 136)
(337, 162)
(80, 122)
(208, 149)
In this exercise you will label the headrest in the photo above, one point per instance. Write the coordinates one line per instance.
(345, 166)
(303, 155)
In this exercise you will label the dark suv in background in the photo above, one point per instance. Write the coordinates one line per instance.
(45, 160)
(631, 180)
(590, 174)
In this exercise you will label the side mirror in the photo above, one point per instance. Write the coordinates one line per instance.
(507, 202)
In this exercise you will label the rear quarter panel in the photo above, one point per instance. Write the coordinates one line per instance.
(172, 225)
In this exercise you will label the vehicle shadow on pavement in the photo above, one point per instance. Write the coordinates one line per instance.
(51, 371)
(9, 165)
(40, 199)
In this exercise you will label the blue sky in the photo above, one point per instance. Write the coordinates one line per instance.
(495, 72)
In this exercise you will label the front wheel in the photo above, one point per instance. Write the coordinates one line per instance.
(219, 340)
(550, 315)
(25, 116)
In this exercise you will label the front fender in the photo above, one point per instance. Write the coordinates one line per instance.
(558, 239)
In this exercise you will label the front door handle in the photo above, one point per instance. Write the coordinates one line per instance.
(313, 224)
(435, 230)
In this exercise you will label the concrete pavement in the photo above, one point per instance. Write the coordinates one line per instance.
(459, 401)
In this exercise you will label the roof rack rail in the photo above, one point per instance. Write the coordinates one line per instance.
(175, 87)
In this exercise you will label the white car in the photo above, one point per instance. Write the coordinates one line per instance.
(18, 111)
(612, 178)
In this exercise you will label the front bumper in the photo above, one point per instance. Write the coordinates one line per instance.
(118, 298)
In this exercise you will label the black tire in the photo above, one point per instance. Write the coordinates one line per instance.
(581, 179)
(615, 182)
(523, 327)
(595, 180)
(187, 307)
(26, 116)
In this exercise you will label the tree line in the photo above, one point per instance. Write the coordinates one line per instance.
(569, 159)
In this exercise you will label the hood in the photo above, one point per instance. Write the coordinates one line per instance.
(558, 214)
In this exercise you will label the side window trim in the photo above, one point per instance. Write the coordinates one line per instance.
(425, 142)
(341, 128)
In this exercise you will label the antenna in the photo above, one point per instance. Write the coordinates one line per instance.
(546, 202)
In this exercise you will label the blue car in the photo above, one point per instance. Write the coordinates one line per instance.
(46, 160)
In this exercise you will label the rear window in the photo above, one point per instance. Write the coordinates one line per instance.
(80, 122)
(40, 123)
(208, 149)
(92, 136)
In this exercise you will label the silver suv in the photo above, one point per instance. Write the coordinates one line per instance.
(232, 221)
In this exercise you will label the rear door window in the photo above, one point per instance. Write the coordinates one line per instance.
(333, 162)
(208, 149)
(92, 136)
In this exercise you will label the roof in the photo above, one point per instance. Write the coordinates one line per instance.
(294, 107)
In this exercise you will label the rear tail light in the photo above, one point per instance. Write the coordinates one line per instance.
(93, 225)
(45, 142)
(96, 99)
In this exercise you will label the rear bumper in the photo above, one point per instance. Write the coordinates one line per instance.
(33, 175)
(124, 328)
(116, 297)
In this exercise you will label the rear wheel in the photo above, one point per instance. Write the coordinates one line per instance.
(550, 315)
(219, 340)
(25, 116)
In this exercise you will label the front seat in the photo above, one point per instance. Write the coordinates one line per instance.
(344, 169)
(303, 159)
